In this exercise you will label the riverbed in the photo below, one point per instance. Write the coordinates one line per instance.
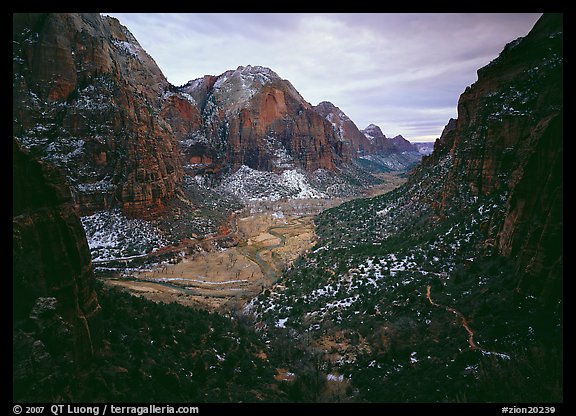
(270, 236)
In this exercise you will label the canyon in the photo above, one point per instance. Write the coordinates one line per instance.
(89, 99)
(285, 251)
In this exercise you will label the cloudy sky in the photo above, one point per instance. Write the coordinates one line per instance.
(403, 72)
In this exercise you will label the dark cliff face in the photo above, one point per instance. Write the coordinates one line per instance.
(88, 98)
(507, 144)
(402, 145)
(55, 306)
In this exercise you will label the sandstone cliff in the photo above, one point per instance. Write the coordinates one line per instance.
(507, 145)
(253, 117)
(55, 306)
(87, 97)
(345, 129)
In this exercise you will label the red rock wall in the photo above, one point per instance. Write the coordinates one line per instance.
(86, 75)
(307, 136)
(275, 113)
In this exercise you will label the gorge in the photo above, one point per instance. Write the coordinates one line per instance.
(261, 236)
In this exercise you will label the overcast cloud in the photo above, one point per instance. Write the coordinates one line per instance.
(403, 72)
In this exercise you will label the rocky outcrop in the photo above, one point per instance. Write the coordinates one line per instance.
(383, 153)
(506, 146)
(253, 117)
(403, 145)
(370, 148)
(345, 128)
(55, 308)
(88, 98)
(380, 144)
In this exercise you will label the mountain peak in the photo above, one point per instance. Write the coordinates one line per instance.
(402, 144)
(256, 69)
(372, 131)
(331, 113)
(248, 76)
(326, 104)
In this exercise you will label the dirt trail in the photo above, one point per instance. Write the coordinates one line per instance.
(462, 318)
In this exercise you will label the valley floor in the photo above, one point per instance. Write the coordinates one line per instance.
(269, 236)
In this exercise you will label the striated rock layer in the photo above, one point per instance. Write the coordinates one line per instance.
(88, 98)
(55, 309)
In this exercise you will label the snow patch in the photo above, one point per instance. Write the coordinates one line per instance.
(281, 323)
(240, 85)
(111, 235)
(103, 185)
(127, 48)
(180, 94)
(254, 185)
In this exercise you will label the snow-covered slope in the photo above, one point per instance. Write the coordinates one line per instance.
(112, 235)
(253, 185)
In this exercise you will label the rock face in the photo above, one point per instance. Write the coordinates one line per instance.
(378, 140)
(507, 144)
(402, 144)
(55, 307)
(88, 98)
(383, 153)
(345, 129)
(253, 117)
(380, 144)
